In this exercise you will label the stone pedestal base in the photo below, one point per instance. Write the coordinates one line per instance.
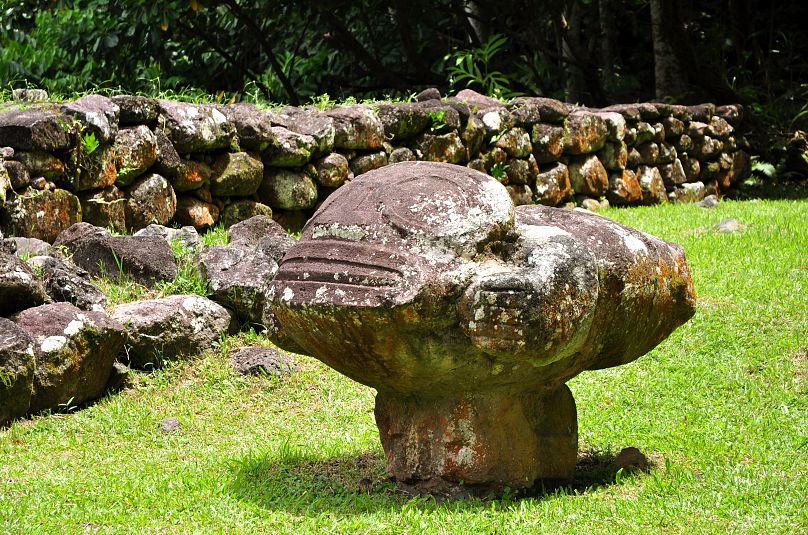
(484, 441)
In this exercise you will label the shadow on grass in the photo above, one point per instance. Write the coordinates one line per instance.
(356, 484)
(774, 191)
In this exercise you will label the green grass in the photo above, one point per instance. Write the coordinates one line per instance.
(720, 407)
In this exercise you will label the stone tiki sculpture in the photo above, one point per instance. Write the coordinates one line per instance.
(468, 316)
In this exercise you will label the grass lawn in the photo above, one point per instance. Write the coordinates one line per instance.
(721, 408)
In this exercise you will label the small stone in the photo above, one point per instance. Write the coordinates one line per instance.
(135, 109)
(516, 142)
(401, 154)
(553, 185)
(170, 426)
(241, 210)
(588, 176)
(29, 95)
(367, 162)
(105, 208)
(253, 126)
(548, 142)
(196, 213)
(32, 129)
(285, 189)
(584, 132)
(258, 360)
(291, 150)
(194, 128)
(40, 214)
(135, 151)
(187, 236)
(447, 148)
(729, 225)
(356, 127)
(236, 174)
(66, 282)
(430, 93)
(630, 459)
(332, 170)
(652, 186)
(710, 201)
(99, 115)
(20, 288)
(151, 199)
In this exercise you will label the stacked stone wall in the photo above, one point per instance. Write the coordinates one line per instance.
(128, 161)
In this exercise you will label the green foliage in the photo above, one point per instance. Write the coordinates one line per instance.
(499, 171)
(436, 118)
(475, 67)
(89, 143)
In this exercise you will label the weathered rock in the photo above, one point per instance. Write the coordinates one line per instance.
(521, 171)
(718, 128)
(584, 133)
(170, 328)
(151, 199)
(26, 94)
(588, 203)
(482, 102)
(66, 282)
(261, 360)
(33, 129)
(614, 156)
(41, 163)
(30, 247)
(309, 122)
(667, 153)
(291, 150)
(548, 142)
(710, 201)
(241, 210)
(332, 170)
(588, 176)
(253, 126)
(473, 136)
(431, 93)
(356, 127)
(194, 128)
(236, 174)
(702, 112)
(468, 317)
(644, 133)
(286, 189)
(615, 125)
(402, 154)
(40, 214)
(495, 121)
(198, 214)
(94, 170)
(549, 110)
(673, 174)
(683, 144)
(18, 175)
(97, 113)
(403, 121)
(135, 109)
(553, 185)
(146, 259)
(135, 151)
(367, 162)
(729, 226)
(440, 148)
(649, 153)
(74, 349)
(690, 166)
(673, 127)
(520, 194)
(187, 236)
(688, 192)
(19, 286)
(630, 112)
(623, 188)
(732, 113)
(652, 186)
(17, 365)
(630, 459)
(516, 142)
(104, 208)
(239, 276)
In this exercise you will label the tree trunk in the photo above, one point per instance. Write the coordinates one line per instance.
(669, 77)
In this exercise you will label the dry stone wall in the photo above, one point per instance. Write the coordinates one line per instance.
(128, 161)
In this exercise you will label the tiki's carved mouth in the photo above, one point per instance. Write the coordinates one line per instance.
(347, 273)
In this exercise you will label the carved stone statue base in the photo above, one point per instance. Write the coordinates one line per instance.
(482, 441)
